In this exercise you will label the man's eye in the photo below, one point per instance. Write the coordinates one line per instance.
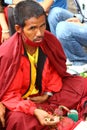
(43, 25)
(32, 28)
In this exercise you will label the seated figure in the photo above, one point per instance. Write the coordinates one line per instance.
(71, 30)
(8, 29)
(33, 77)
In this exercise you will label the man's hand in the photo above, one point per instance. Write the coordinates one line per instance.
(5, 36)
(74, 20)
(39, 99)
(2, 114)
(45, 118)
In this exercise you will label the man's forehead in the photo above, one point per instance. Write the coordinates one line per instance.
(35, 20)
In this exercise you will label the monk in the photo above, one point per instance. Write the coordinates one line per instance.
(33, 77)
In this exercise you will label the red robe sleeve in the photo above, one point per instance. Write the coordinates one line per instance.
(51, 81)
(12, 98)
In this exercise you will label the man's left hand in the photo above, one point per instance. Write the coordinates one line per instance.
(39, 99)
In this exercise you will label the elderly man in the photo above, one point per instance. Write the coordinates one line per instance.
(33, 77)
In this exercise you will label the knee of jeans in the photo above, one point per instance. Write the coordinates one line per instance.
(62, 30)
(54, 13)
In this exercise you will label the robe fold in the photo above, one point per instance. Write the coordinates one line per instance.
(74, 88)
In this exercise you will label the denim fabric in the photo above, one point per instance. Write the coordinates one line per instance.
(8, 1)
(57, 3)
(73, 37)
(56, 15)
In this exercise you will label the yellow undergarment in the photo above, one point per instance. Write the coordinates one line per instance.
(33, 60)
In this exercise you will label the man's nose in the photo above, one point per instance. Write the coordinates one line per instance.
(39, 33)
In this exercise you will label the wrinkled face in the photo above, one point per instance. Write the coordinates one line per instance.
(34, 28)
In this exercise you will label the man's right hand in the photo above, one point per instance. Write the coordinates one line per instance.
(45, 118)
(74, 20)
(2, 114)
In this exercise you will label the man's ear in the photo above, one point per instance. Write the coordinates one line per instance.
(18, 28)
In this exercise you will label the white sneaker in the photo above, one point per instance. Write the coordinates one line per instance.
(68, 62)
(81, 126)
(73, 69)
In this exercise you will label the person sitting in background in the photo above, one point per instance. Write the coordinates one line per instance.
(34, 80)
(3, 23)
(71, 30)
(8, 30)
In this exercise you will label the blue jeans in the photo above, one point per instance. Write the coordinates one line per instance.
(73, 37)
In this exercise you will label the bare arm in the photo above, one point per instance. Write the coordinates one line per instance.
(5, 28)
(3, 24)
(2, 114)
(46, 4)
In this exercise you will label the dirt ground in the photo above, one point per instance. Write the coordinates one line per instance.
(71, 5)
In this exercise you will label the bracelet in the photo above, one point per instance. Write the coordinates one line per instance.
(49, 93)
(5, 31)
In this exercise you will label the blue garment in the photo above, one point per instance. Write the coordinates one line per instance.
(8, 1)
(58, 3)
(73, 37)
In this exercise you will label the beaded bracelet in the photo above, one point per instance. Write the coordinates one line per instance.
(49, 93)
(5, 31)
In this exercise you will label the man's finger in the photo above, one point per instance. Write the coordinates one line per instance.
(2, 121)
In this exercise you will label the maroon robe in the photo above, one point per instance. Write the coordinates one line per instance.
(73, 91)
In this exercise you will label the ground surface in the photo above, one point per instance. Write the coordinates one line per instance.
(71, 5)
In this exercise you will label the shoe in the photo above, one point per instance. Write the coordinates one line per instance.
(68, 62)
(73, 69)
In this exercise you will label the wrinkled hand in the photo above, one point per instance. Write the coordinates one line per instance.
(39, 99)
(45, 118)
(74, 20)
(5, 36)
(2, 114)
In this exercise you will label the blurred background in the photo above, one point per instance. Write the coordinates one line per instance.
(71, 6)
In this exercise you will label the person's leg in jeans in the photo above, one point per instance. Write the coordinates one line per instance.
(56, 15)
(73, 38)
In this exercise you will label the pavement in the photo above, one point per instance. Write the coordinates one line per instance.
(71, 6)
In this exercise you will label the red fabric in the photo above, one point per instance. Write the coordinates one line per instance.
(22, 121)
(26, 122)
(65, 124)
(73, 86)
(0, 34)
(13, 96)
(51, 81)
(53, 49)
(57, 58)
(9, 61)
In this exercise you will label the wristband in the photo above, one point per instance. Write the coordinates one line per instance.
(49, 93)
(5, 31)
